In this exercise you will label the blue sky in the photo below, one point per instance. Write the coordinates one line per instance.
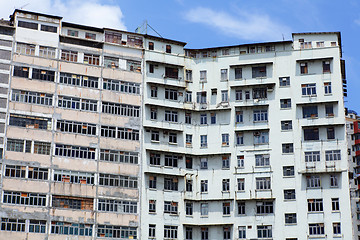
(210, 23)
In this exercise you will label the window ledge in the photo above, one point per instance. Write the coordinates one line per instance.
(171, 143)
(293, 176)
(154, 141)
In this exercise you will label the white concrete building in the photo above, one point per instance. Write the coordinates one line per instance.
(245, 142)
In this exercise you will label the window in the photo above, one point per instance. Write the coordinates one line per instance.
(188, 75)
(188, 140)
(315, 205)
(284, 81)
(72, 202)
(326, 66)
(287, 148)
(188, 96)
(155, 159)
(189, 208)
(187, 118)
(262, 160)
(155, 136)
(118, 180)
(259, 93)
(204, 233)
(334, 181)
(285, 103)
(224, 96)
(76, 127)
(263, 183)
(24, 198)
(226, 208)
(48, 28)
(204, 209)
(304, 68)
(30, 122)
(111, 62)
(289, 194)
(67, 55)
(203, 77)
(203, 119)
(172, 138)
(203, 163)
(47, 52)
(241, 184)
(77, 103)
(333, 44)
(224, 74)
(316, 229)
(329, 110)
(122, 86)
(213, 118)
(308, 89)
(168, 49)
(171, 160)
(264, 231)
(313, 181)
(333, 155)
(320, 44)
(14, 225)
(238, 95)
(153, 92)
(225, 162)
(21, 72)
(260, 115)
(189, 162)
(117, 156)
(290, 218)
(113, 231)
(66, 228)
(72, 33)
(286, 125)
(311, 134)
(264, 207)
(327, 87)
(261, 137)
(74, 177)
(330, 131)
(153, 113)
(171, 116)
(133, 66)
(120, 133)
(171, 207)
(238, 73)
(304, 45)
(204, 186)
(91, 59)
(240, 161)
(24, 48)
(335, 204)
(259, 72)
(241, 208)
(171, 94)
(79, 80)
(201, 97)
(239, 138)
(242, 232)
(225, 139)
(239, 117)
(170, 232)
(188, 233)
(134, 41)
(41, 74)
(37, 226)
(15, 171)
(312, 156)
(171, 72)
(203, 141)
(336, 228)
(152, 230)
(171, 184)
(288, 171)
(91, 36)
(29, 25)
(226, 185)
(152, 182)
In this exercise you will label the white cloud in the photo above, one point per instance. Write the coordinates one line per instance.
(90, 12)
(246, 25)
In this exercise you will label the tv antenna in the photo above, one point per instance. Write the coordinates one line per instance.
(143, 29)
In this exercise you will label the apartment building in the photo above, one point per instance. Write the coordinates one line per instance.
(245, 142)
(70, 108)
(353, 136)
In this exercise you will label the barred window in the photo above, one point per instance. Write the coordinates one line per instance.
(117, 206)
(113, 37)
(288, 171)
(171, 184)
(121, 109)
(25, 48)
(133, 66)
(121, 133)
(170, 207)
(121, 86)
(48, 28)
(15, 145)
(24, 198)
(67, 228)
(118, 156)
(76, 127)
(264, 207)
(79, 80)
(68, 55)
(42, 148)
(20, 71)
(32, 97)
(47, 52)
(30, 122)
(118, 180)
(116, 232)
(289, 194)
(37, 226)
(332, 155)
(30, 25)
(77, 103)
(92, 59)
(41, 74)
(72, 202)
(74, 177)
(74, 151)
(13, 225)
